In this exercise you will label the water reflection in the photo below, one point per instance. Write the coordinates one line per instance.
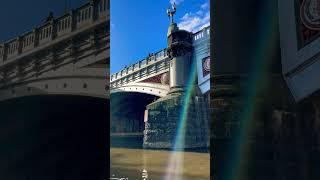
(129, 160)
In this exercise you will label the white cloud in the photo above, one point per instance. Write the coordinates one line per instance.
(194, 22)
(200, 12)
(176, 1)
(205, 5)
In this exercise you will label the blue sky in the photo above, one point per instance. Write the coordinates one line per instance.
(18, 16)
(139, 27)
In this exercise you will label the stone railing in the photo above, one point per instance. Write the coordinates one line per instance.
(153, 64)
(202, 34)
(53, 29)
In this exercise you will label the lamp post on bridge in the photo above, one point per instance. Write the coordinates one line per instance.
(179, 51)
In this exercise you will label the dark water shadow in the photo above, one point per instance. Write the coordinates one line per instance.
(54, 138)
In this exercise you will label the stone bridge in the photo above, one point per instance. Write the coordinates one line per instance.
(66, 55)
(160, 78)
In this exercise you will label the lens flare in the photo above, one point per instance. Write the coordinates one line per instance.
(261, 58)
(175, 165)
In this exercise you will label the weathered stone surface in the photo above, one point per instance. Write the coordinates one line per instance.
(164, 116)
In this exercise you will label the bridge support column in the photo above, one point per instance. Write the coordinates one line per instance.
(180, 52)
(255, 133)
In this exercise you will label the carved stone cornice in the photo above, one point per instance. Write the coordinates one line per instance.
(179, 43)
(179, 50)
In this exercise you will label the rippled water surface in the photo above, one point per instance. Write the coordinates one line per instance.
(134, 164)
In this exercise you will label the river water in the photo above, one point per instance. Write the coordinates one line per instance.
(130, 162)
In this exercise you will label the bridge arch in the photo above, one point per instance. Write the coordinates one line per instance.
(127, 117)
(155, 89)
(89, 87)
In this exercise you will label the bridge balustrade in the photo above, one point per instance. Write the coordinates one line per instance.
(84, 16)
(144, 72)
(45, 33)
(103, 5)
(143, 63)
(12, 48)
(136, 66)
(161, 55)
(201, 34)
(64, 25)
(151, 59)
(122, 72)
(28, 41)
(153, 64)
(54, 28)
(130, 69)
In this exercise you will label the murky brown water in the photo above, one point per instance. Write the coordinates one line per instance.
(133, 164)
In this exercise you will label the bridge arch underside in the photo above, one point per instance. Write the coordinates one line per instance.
(73, 85)
(53, 137)
(127, 117)
(154, 89)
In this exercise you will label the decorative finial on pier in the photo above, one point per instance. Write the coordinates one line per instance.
(171, 12)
